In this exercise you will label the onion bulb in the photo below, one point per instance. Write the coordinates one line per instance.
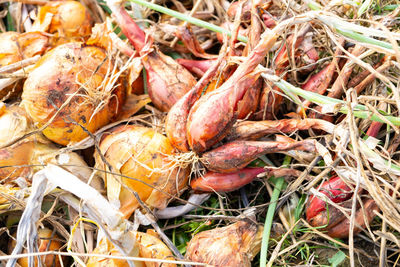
(149, 247)
(13, 123)
(47, 242)
(22, 155)
(15, 47)
(67, 20)
(229, 246)
(74, 80)
(145, 155)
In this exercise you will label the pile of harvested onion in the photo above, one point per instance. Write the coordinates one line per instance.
(74, 107)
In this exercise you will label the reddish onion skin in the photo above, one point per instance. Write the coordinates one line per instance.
(236, 155)
(214, 114)
(197, 67)
(253, 130)
(341, 230)
(167, 81)
(175, 123)
(225, 182)
(335, 189)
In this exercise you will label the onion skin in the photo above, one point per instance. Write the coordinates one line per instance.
(214, 114)
(149, 247)
(236, 155)
(175, 123)
(342, 230)
(246, 9)
(230, 246)
(253, 130)
(70, 21)
(142, 153)
(335, 189)
(13, 123)
(319, 82)
(167, 81)
(197, 67)
(225, 182)
(229, 26)
(16, 156)
(15, 47)
(336, 223)
(47, 242)
(270, 101)
(46, 91)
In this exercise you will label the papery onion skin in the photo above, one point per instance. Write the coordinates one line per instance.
(149, 247)
(236, 155)
(15, 47)
(48, 242)
(197, 67)
(342, 230)
(70, 20)
(17, 157)
(214, 114)
(335, 189)
(142, 153)
(167, 81)
(175, 122)
(13, 123)
(225, 182)
(253, 130)
(230, 246)
(68, 69)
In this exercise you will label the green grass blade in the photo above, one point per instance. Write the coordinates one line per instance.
(268, 221)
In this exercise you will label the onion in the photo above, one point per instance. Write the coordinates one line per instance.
(230, 246)
(167, 81)
(15, 47)
(47, 242)
(149, 247)
(213, 115)
(76, 80)
(253, 130)
(31, 150)
(143, 154)
(225, 182)
(335, 189)
(331, 219)
(235, 155)
(67, 20)
(13, 123)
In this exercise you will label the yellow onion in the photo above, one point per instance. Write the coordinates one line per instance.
(67, 20)
(229, 246)
(47, 242)
(143, 154)
(149, 247)
(15, 47)
(74, 79)
(14, 124)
